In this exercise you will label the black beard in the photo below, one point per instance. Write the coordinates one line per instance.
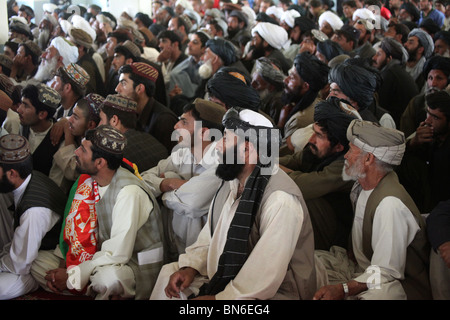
(257, 52)
(289, 97)
(412, 55)
(5, 185)
(232, 32)
(229, 171)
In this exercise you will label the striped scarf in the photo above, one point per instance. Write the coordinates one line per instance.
(235, 252)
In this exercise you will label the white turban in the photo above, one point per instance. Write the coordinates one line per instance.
(386, 144)
(275, 35)
(333, 20)
(185, 4)
(276, 11)
(68, 51)
(289, 17)
(424, 39)
(365, 14)
(49, 7)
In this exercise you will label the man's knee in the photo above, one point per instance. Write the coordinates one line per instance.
(107, 281)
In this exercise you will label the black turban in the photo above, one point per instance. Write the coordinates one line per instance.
(411, 9)
(231, 87)
(305, 24)
(312, 70)
(329, 49)
(437, 63)
(338, 115)
(224, 49)
(356, 82)
(394, 49)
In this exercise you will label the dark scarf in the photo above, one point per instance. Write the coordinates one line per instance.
(235, 252)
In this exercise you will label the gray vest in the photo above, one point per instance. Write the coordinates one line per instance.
(148, 237)
(300, 280)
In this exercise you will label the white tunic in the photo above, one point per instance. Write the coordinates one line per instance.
(263, 272)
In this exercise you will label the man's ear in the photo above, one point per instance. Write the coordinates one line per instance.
(42, 115)
(338, 148)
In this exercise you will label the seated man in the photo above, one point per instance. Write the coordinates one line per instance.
(389, 243)
(256, 195)
(130, 251)
(317, 170)
(424, 170)
(37, 208)
(39, 103)
(85, 116)
(186, 171)
(142, 148)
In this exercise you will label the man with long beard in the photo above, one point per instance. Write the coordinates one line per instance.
(32, 222)
(224, 262)
(58, 54)
(317, 171)
(306, 78)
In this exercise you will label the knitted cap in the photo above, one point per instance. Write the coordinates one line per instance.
(119, 102)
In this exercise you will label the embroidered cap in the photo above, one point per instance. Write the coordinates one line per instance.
(145, 70)
(77, 74)
(5, 61)
(48, 96)
(14, 148)
(119, 102)
(107, 138)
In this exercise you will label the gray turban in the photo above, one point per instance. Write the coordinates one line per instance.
(386, 144)
(425, 40)
(394, 49)
(269, 71)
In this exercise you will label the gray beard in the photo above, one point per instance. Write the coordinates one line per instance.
(46, 72)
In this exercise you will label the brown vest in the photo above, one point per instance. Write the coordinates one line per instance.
(300, 280)
(416, 282)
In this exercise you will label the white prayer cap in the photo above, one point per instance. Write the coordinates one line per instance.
(276, 11)
(364, 13)
(289, 16)
(81, 23)
(333, 20)
(185, 4)
(67, 50)
(254, 118)
(386, 144)
(223, 24)
(275, 35)
(49, 7)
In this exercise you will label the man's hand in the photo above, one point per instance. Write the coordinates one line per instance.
(57, 279)
(179, 281)
(444, 251)
(171, 184)
(57, 131)
(330, 292)
(424, 134)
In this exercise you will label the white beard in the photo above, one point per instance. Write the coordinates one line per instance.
(354, 172)
(205, 70)
(47, 69)
(44, 36)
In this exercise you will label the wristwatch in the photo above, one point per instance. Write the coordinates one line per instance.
(345, 286)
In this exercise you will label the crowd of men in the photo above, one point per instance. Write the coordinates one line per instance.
(232, 150)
